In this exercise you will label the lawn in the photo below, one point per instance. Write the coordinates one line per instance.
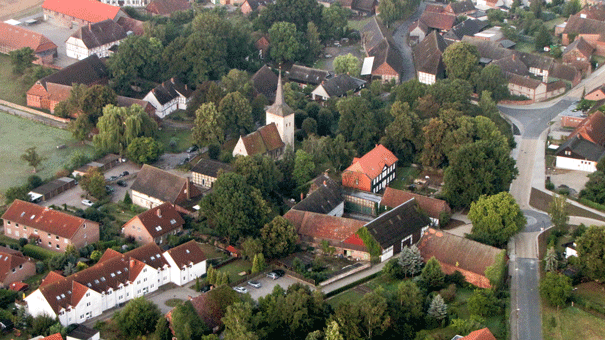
(183, 139)
(350, 295)
(11, 88)
(570, 323)
(18, 134)
(234, 268)
(591, 292)
(386, 284)
(210, 251)
(358, 24)
(527, 47)
(405, 176)
(554, 22)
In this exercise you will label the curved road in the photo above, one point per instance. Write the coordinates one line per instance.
(400, 36)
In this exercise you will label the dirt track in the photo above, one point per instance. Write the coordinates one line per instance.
(10, 9)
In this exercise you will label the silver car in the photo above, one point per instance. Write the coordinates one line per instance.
(255, 284)
(241, 290)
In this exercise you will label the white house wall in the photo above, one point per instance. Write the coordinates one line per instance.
(240, 148)
(575, 164)
(182, 276)
(338, 211)
(144, 201)
(37, 305)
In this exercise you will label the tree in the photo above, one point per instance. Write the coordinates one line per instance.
(304, 168)
(235, 208)
(496, 218)
(358, 123)
(22, 59)
(239, 322)
(591, 252)
(259, 171)
(404, 135)
(309, 125)
(555, 288)
(137, 57)
(93, 182)
(332, 331)
(95, 99)
(250, 247)
(391, 10)
(492, 79)
(284, 42)
(138, 317)
(80, 128)
(347, 64)
(334, 21)
(550, 260)
(543, 38)
(96, 255)
(374, 318)
(237, 113)
(32, 157)
(479, 168)
(432, 275)
(392, 270)
(409, 92)
(186, 323)
(119, 126)
(313, 43)
(162, 330)
(239, 81)
(298, 12)
(557, 210)
(461, 61)
(438, 308)
(144, 150)
(278, 237)
(483, 303)
(411, 261)
(409, 301)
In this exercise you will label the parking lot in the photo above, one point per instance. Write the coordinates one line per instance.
(73, 197)
(56, 33)
(268, 285)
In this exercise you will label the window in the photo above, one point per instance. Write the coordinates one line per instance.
(87, 294)
(20, 266)
(8, 222)
(24, 228)
(87, 304)
(57, 237)
(58, 247)
(8, 231)
(49, 243)
(35, 231)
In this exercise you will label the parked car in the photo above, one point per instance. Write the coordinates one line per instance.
(184, 161)
(206, 288)
(328, 56)
(125, 173)
(109, 188)
(241, 290)
(254, 284)
(337, 44)
(87, 203)
(192, 148)
(273, 275)
(121, 183)
(279, 272)
(112, 178)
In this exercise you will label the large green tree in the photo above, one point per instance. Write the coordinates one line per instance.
(358, 123)
(496, 218)
(373, 312)
(461, 61)
(297, 12)
(138, 57)
(391, 10)
(492, 79)
(95, 99)
(93, 182)
(333, 21)
(239, 323)
(144, 150)
(237, 113)
(304, 168)
(591, 252)
(22, 59)
(119, 126)
(235, 208)
(285, 45)
(32, 157)
(404, 135)
(186, 323)
(138, 318)
(481, 168)
(557, 210)
(208, 126)
(259, 171)
(555, 288)
(347, 64)
(432, 275)
(279, 238)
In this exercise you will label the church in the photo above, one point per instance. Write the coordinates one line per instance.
(273, 138)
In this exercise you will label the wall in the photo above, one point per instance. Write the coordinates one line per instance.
(28, 269)
(143, 200)
(575, 164)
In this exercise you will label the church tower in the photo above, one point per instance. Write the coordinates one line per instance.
(282, 115)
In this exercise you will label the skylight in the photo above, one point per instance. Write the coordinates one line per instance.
(96, 281)
(103, 278)
(119, 272)
(63, 296)
(158, 228)
(173, 221)
(32, 217)
(187, 251)
(58, 298)
(89, 285)
(113, 275)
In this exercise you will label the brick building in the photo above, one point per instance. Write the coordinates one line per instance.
(154, 225)
(74, 13)
(13, 38)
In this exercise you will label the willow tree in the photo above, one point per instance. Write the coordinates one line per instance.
(119, 126)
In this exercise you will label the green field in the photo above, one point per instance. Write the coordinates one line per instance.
(18, 134)
(11, 88)
(234, 268)
(183, 139)
(350, 295)
(571, 323)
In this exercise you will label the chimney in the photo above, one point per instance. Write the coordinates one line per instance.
(325, 183)
(514, 57)
(159, 213)
(89, 27)
(301, 196)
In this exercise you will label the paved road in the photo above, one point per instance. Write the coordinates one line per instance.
(528, 312)
(400, 36)
(533, 120)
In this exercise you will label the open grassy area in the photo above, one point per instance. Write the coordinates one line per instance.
(183, 139)
(523, 46)
(405, 176)
(386, 284)
(591, 292)
(18, 134)
(570, 323)
(173, 302)
(210, 251)
(234, 268)
(11, 88)
(358, 24)
(350, 295)
(554, 22)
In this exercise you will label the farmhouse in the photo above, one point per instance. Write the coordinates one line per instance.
(154, 187)
(436, 209)
(456, 253)
(337, 87)
(51, 229)
(13, 38)
(585, 146)
(372, 172)
(14, 267)
(383, 59)
(167, 7)
(169, 96)
(154, 225)
(76, 13)
(97, 38)
(115, 279)
(206, 172)
(428, 58)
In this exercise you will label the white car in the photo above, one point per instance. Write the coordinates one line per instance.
(241, 290)
(87, 203)
(254, 284)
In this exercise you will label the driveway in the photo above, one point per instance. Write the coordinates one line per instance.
(401, 38)
(268, 285)
(173, 292)
(334, 51)
(57, 34)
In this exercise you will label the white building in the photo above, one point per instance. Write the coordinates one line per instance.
(169, 96)
(115, 279)
(95, 38)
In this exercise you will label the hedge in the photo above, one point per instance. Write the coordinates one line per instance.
(37, 252)
(353, 284)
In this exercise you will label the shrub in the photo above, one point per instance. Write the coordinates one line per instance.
(37, 252)
(448, 294)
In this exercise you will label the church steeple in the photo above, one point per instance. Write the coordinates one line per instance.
(281, 115)
(279, 95)
(280, 108)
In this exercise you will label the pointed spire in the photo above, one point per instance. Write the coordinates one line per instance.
(279, 95)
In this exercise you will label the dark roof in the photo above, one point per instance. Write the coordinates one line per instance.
(512, 64)
(427, 54)
(592, 128)
(165, 7)
(372, 34)
(87, 71)
(53, 185)
(563, 71)
(578, 25)
(461, 7)
(468, 27)
(82, 333)
(432, 206)
(160, 184)
(438, 20)
(100, 33)
(264, 82)
(307, 75)
(131, 25)
(582, 148)
(211, 167)
(160, 220)
(523, 81)
(535, 60)
(324, 199)
(385, 53)
(396, 224)
(507, 43)
(488, 49)
(339, 85)
(170, 90)
(581, 45)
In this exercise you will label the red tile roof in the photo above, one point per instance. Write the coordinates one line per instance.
(453, 252)
(482, 334)
(44, 219)
(165, 7)
(149, 254)
(592, 129)
(186, 254)
(52, 276)
(160, 220)
(368, 167)
(87, 10)
(320, 226)
(8, 261)
(109, 254)
(15, 37)
(56, 336)
(432, 206)
(441, 21)
(263, 140)
(18, 286)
